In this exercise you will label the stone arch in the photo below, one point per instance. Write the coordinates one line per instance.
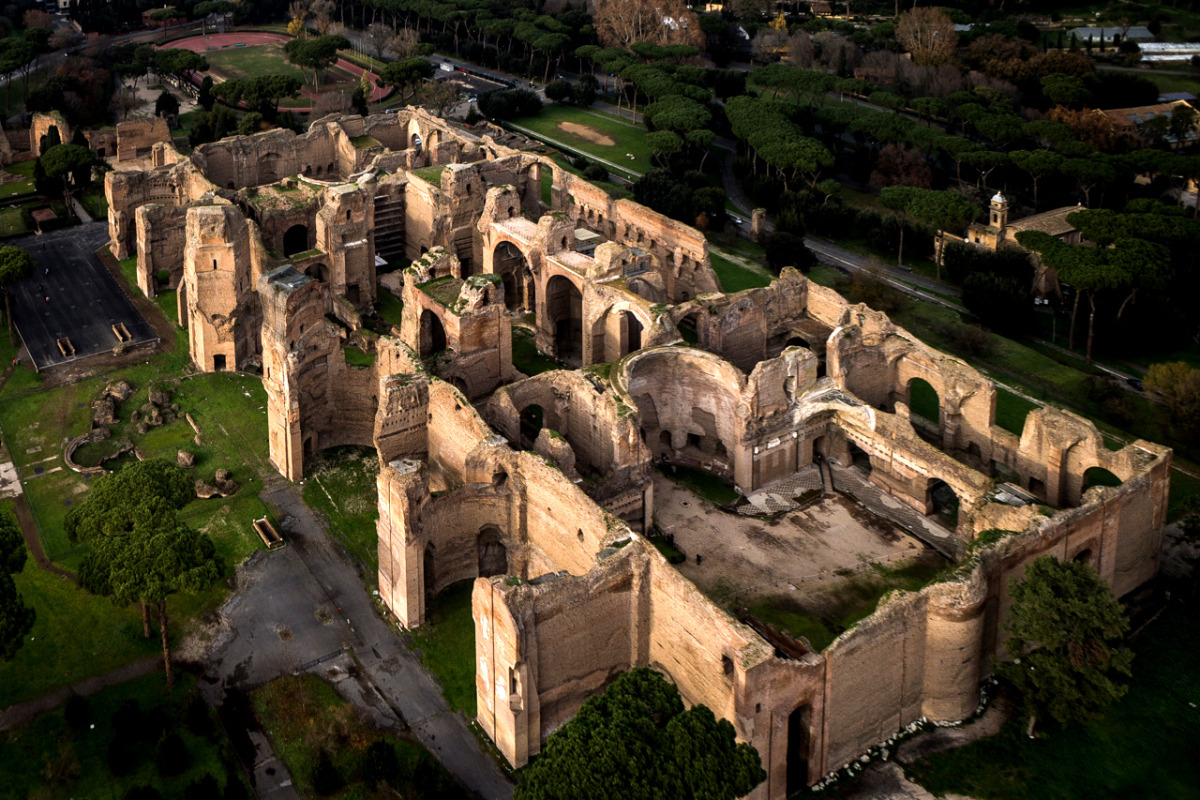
(295, 240)
(532, 419)
(432, 335)
(432, 141)
(616, 333)
(564, 310)
(510, 263)
(493, 555)
(1099, 476)
(942, 502)
(923, 400)
(693, 328)
(644, 289)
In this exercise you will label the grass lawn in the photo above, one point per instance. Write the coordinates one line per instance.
(78, 635)
(341, 486)
(626, 139)
(304, 715)
(357, 358)
(447, 645)
(1143, 747)
(47, 759)
(1011, 411)
(248, 62)
(96, 205)
(734, 277)
(707, 486)
(525, 354)
(852, 601)
(390, 307)
(12, 222)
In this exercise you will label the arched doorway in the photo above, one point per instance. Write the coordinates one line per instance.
(532, 417)
(799, 722)
(688, 329)
(509, 263)
(493, 555)
(615, 335)
(943, 503)
(564, 304)
(429, 573)
(433, 335)
(1099, 476)
(295, 240)
(923, 401)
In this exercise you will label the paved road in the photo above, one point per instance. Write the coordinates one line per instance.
(306, 601)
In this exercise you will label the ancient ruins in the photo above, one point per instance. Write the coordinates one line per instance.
(543, 489)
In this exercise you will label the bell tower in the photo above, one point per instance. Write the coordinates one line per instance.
(999, 215)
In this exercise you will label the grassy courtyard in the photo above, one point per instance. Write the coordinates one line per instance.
(341, 487)
(447, 645)
(268, 59)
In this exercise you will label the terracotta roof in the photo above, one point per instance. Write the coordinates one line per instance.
(1051, 222)
(1130, 118)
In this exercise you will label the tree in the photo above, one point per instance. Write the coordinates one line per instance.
(317, 54)
(1175, 386)
(141, 552)
(378, 37)
(123, 102)
(166, 105)
(73, 164)
(620, 23)
(15, 264)
(637, 741)
(941, 210)
(16, 618)
(381, 765)
(1038, 163)
(787, 249)
(406, 73)
(179, 62)
(1065, 629)
(558, 90)
(928, 34)
(325, 776)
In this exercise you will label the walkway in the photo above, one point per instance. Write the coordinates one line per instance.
(16, 715)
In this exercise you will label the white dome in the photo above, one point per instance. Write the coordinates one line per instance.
(999, 198)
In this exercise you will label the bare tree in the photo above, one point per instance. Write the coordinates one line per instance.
(440, 96)
(62, 38)
(123, 102)
(322, 14)
(404, 43)
(837, 53)
(768, 45)
(379, 36)
(800, 49)
(38, 19)
(331, 103)
(620, 23)
(928, 34)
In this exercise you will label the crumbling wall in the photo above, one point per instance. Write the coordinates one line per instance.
(136, 139)
(174, 184)
(161, 235)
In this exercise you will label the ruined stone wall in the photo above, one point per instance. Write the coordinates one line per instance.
(40, 126)
(136, 139)
(267, 157)
(344, 226)
(219, 275)
(174, 184)
(161, 235)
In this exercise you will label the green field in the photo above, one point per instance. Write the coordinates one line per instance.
(341, 486)
(735, 277)
(48, 759)
(626, 139)
(1143, 747)
(249, 62)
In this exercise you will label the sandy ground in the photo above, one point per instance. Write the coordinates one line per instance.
(798, 552)
(586, 132)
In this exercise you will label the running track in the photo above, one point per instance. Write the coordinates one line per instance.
(202, 45)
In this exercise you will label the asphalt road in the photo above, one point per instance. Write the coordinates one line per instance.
(304, 608)
(72, 295)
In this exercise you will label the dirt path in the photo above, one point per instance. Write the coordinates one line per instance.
(29, 530)
(586, 132)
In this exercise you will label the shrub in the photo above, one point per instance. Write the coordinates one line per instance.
(77, 713)
(509, 103)
(325, 777)
(142, 793)
(171, 756)
(196, 716)
(123, 757)
(787, 250)
(595, 172)
(205, 788)
(558, 90)
(381, 764)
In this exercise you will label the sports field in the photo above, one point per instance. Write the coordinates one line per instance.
(593, 134)
(249, 62)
